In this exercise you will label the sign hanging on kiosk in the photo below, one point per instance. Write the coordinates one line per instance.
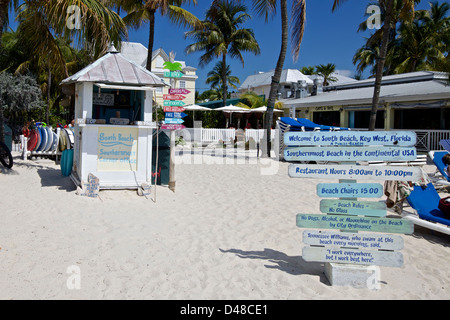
(174, 109)
(179, 91)
(173, 103)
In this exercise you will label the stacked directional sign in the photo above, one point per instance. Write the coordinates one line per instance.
(173, 108)
(345, 215)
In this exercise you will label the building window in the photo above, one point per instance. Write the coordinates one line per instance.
(159, 90)
(182, 84)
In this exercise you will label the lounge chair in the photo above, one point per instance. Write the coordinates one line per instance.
(445, 144)
(311, 126)
(425, 201)
(440, 177)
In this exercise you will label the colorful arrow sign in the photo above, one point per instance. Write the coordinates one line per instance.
(179, 91)
(174, 109)
(173, 121)
(173, 74)
(172, 127)
(176, 115)
(173, 103)
(173, 97)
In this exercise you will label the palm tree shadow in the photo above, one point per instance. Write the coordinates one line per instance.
(294, 265)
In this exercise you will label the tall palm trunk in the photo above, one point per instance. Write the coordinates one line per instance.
(49, 83)
(224, 79)
(380, 64)
(3, 11)
(151, 38)
(277, 74)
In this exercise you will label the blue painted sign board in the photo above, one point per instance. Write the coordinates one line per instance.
(350, 223)
(350, 190)
(350, 153)
(176, 115)
(173, 121)
(353, 240)
(353, 256)
(400, 173)
(353, 208)
(351, 138)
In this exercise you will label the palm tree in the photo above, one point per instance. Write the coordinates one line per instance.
(46, 34)
(4, 5)
(268, 8)
(41, 22)
(141, 11)
(215, 77)
(406, 13)
(424, 43)
(308, 70)
(220, 35)
(326, 71)
(418, 45)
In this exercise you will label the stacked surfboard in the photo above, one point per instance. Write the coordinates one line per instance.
(44, 141)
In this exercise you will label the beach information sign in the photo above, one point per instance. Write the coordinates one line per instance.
(358, 232)
(351, 138)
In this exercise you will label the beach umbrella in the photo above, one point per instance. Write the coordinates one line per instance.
(195, 107)
(230, 108)
(264, 109)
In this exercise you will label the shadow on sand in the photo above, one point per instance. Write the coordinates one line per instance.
(50, 177)
(294, 265)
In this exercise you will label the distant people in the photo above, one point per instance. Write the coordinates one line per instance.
(446, 161)
(248, 126)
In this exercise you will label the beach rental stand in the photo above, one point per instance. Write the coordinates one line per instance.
(113, 123)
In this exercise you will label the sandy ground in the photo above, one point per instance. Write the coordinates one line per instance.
(227, 232)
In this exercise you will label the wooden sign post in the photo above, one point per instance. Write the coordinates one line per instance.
(347, 253)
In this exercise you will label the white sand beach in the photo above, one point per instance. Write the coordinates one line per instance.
(227, 232)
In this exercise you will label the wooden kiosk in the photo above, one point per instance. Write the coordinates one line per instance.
(113, 122)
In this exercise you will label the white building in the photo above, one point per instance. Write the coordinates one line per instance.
(293, 83)
(138, 53)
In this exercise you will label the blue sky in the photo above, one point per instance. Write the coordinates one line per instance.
(329, 38)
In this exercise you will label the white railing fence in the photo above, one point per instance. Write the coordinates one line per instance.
(204, 135)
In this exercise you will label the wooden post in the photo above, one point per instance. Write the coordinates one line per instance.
(172, 161)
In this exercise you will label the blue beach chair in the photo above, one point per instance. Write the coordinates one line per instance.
(311, 126)
(442, 178)
(445, 144)
(425, 201)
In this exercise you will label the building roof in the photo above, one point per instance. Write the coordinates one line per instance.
(114, 68)
(134, 51)
(138, 53)
(340, 79)
(398, 92)
(265, 79)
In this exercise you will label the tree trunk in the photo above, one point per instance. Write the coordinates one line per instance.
(49, 83)
(151, 38)
(224, 79)
(277, 74)
(380, 64)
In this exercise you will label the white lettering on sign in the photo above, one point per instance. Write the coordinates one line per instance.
(400, 173)
(351, 138)
(350, 153)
